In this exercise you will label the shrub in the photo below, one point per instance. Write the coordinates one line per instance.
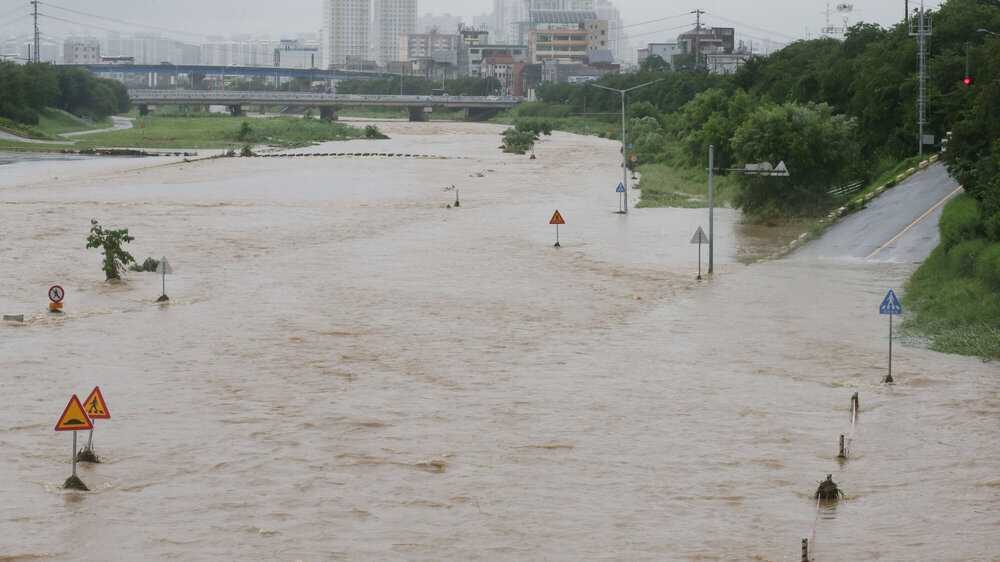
(534, 126)
(962, 256)
(246, 133)
(116, 259)
(518, 142)
(988, 264)
(961, 220)
(372, 132)
(149, 265)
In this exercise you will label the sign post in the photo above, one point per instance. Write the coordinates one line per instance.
(96, 408)
(74, 419)
(56, 295)
(621, 198)
(557, 220)
(163, 268)
(891, 307)
(699, 238)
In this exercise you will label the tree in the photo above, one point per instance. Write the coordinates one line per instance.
(819, 148)
(116, 259)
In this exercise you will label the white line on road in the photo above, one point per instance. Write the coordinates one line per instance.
(914, 223)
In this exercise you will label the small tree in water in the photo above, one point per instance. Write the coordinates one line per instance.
(116, 259)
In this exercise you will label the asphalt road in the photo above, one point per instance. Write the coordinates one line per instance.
(899, 226)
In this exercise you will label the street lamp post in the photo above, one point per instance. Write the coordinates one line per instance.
(624, 137)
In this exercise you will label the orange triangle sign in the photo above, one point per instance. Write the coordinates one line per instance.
(73, 417)
(557, 219)
(97, 408)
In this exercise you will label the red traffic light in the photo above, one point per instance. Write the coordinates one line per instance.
(967, 80)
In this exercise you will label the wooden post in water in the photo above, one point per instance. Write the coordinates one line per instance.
(805, 550)
(843, 450)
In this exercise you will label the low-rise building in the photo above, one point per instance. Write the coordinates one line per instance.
(82, 50)
(508, 71)
(477, 53)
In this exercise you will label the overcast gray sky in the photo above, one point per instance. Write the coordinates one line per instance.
(779, 19)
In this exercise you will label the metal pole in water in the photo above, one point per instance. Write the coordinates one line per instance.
(624, 159)
(711, 208)
(74, 453)
(90, 438)
(889, 377)
(699, 260)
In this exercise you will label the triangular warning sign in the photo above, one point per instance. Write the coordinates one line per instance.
(699, 237)
(95, 406)
(73, 417)
(557, 219)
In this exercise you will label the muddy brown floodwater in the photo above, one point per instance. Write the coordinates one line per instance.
(349, 370)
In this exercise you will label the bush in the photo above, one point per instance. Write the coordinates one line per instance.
(534, 126)
(149, 265)
(372, 132)
(542, 109)
(988, 265)
(245, 133)
(518, 142)
(112, 242)
(960, 220)
(962, 256)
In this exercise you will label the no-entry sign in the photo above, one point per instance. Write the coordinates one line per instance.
(56, 293)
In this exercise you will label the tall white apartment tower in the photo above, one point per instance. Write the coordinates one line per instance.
(345, 31)
(394, 19)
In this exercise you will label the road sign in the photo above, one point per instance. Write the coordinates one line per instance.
(96, 407)
(699, 237)
(557, 219)
(56, 293)
(781, 170)
(163, 268)
(621, 188)
(73, 417)
(890, 305)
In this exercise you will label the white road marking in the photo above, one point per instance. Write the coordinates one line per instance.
(914, 223)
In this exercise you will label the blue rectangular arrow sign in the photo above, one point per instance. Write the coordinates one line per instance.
(621, 188)
(890, 305)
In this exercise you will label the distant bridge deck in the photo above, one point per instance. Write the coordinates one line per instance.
(307, 99)
(245, 71)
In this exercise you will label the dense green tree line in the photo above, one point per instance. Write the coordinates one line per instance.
(858, 95)
(27, 89)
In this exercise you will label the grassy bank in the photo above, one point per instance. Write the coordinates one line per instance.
(52, 123)
(666, 185)
(561, 119)
(222, 132)
(954, 297)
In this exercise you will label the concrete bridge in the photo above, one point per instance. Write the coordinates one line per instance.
(214, 70)
(476, 107)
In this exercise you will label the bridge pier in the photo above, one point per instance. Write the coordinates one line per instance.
(236, 110)
(479, 113)
(417, 114)
(328, 113)
(143, 110)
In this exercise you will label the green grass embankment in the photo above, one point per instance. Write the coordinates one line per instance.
(222, 132)
(954, 297)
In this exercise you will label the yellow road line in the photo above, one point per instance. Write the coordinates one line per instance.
(914, 223)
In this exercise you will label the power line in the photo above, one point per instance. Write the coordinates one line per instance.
(123, 22)
(634, 35)
(15, 20)
(761, 29)
(657, 20)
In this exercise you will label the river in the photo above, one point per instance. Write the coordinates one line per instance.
(350, 370)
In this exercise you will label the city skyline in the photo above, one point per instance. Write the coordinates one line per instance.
(778, 20)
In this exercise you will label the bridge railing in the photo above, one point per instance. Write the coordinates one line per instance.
(277, 97)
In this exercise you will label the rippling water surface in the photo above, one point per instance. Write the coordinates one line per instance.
(348, 369)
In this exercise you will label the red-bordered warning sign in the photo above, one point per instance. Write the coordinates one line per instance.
(73, 417)
(95, 406)
(557, 218)
(56, 293)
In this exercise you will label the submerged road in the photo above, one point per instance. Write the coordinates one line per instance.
(899, 226)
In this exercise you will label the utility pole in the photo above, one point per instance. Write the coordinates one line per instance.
(906, 12)
(625, 132)
(36, 56)
(697, 37)
(921, 28)
(711, 208)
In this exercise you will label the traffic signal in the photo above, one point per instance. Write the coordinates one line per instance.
(967, 80)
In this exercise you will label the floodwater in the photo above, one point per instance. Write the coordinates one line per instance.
(349, 370)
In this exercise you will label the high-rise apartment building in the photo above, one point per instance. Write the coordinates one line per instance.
(345, 31)
(394, 20)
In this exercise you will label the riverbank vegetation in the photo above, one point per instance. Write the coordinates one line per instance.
(955, 295)
(223, 132)
(836, 112)
(27, 90)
